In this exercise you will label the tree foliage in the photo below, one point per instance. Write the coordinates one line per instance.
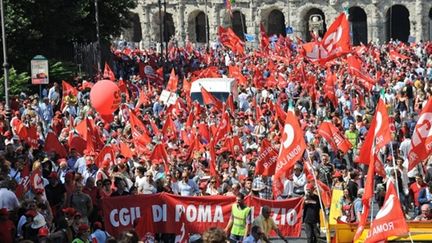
(18, 82)
(50, 27)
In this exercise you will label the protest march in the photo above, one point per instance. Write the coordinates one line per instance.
(157, 149)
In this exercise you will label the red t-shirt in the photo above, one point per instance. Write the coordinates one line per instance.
(415, 189)
(7, 228)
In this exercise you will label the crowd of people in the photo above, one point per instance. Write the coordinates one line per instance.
(67, 208)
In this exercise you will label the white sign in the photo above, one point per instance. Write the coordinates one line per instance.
(39, 71)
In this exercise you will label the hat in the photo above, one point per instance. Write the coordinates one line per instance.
(69, 211)
(310, 186)
(43, 232)
(45, 160)
(225, 166)
(337, 174)
(31, 213)
(82, 228)
(53, 175)
(4, 212)
(38, 221)
(97, 225)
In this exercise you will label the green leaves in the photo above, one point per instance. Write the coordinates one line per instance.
(18, 82)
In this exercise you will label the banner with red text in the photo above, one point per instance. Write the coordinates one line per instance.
(167, 213)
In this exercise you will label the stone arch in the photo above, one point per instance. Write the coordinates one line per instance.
(197, 28)
(238, 24)
(276, 23)
(358, 21)
(397, 23)
(307, 18)
(168, 27)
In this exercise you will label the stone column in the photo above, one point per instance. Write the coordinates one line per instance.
(295, 18)
(146, 26)
(374, 25)
(418, 26)
(181, 25)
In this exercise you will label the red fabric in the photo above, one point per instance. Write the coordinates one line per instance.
(229, 39)
(125, 150)
(108, 73)
(235, 72)
(139, 132)
(421, 139)
(209, 99)
(107, 153)
(52, 144)
(166, 213)
(334, 137)
(264, 38)
(267, 158)
(7, 227)
(329, 87)
(172, 82)
(224, 127)
(390, 219)
(291, 149)
(380, 132)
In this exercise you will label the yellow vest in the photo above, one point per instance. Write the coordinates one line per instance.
(239, 223)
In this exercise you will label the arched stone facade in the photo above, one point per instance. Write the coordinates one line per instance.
(294, 12)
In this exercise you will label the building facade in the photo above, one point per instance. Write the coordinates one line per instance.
(371, 20)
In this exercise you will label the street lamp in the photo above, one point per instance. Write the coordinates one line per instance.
(160, 28)
(5, 63)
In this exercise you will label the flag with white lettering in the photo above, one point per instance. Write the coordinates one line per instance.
(292, 146)
(267, 157)
(390, 219)
(334, 137)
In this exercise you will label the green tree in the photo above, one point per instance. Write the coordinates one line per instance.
(18, 82)
(50, 27)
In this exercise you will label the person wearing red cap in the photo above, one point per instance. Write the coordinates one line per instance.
(83, 234)
(99, 235)
(103, 171)
(55, 192)
(7, 227)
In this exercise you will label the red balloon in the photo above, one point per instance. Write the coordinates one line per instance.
(105, 97)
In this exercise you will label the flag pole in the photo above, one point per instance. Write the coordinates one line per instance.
(326, 226)
(395, 170)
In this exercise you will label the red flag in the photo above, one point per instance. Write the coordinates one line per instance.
(378, 133)
(32, 137)
(159, 154)
(139, 132)
(234, 72)
(291, 148)
(123, 88)
(142, 100)
(172, 82)
(421, 140)
(230, 104)
(108, 73)
(107, 153)
(204, 131)
(169, 127)
(229, 39)
(394, 55)
(264, 44)
(329, 87)
(267, 158)
(355, 68)
(334, 137)
(67, 89)
(125, 150)
(209, 99)
(335, 43)
(212, 161)
(52, 144)
(224, 127)
(24, 183)
(390, 219)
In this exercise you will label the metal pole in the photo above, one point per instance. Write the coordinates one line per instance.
(160, 27)
(165, 30)
(207, 27)
(5, 64)
(98, 48)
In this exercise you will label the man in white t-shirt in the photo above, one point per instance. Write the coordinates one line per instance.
(8, 199)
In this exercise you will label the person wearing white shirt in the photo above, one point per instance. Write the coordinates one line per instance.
(256, 235)
(8, 199)
(299, 180)
(148, 185)
(187, 187)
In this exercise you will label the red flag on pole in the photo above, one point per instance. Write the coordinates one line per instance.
(422, 137)
(334, 137)
(267, 158)
(209, 99)
(172, 82)
(108, 73)
(390, 219)
(291, 149)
